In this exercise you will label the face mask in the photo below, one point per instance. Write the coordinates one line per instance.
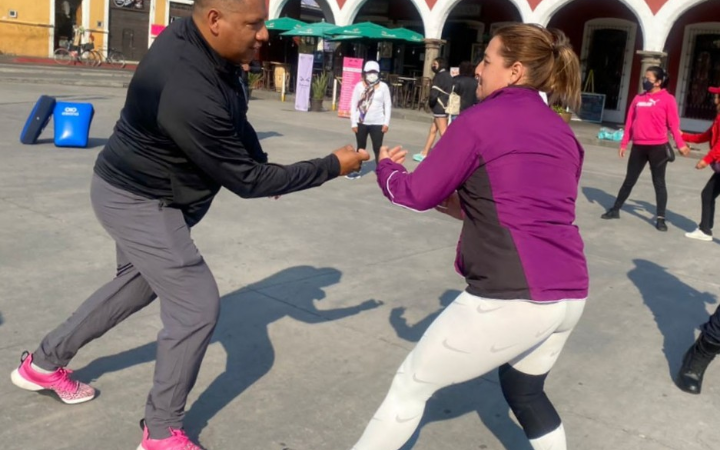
(371, 78)
(435, 69)
(648, 85)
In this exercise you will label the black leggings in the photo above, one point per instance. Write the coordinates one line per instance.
(376, 134)
(708, 196)
(639, 157)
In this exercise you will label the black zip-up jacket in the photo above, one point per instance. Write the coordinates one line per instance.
(183, 132)
(466, 88)
(442, 86)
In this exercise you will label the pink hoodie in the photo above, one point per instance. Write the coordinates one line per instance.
(649, 119)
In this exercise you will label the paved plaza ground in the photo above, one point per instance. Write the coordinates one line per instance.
(326, 291)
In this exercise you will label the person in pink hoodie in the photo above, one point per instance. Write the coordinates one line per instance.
(651, 115)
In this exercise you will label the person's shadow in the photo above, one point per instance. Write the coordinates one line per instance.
(595, 195)
(1, 319)
(243, 332)
(677, 307)
(262, 135)
(481, 395)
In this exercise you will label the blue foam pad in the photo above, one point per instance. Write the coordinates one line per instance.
(72, 124)
(38, 120)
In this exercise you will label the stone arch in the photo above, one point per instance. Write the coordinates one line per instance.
(666, 18)
(329, 8)
(351, 8)
(442, 11)
(547, 9)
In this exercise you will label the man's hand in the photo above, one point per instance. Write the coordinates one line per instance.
(385, 129)
(685, 151)
(396, 155)
(622, 152)
(355, 130)
(451, 207)
(701, 165)
(350, 160)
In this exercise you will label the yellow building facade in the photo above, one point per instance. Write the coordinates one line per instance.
(38, 27)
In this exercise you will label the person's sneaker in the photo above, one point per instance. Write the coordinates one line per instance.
(69, 391)
(699, 235)
(178, 440)
(661, 225)
(353, 176)
(611, 214)
(419, 157)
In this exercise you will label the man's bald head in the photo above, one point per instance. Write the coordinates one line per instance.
(234, 28)
(204, 4)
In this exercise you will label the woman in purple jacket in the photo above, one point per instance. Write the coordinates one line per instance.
(509, 169)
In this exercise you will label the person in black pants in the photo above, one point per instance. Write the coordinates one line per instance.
(371, 110)
(651, 115)
(712, 189)
(699, 356)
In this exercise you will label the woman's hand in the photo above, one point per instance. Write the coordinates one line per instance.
(685, 151)
(451, 207)
(701, 165)
(396, 154)
(622, 152)
(385, 129)
(355, 130)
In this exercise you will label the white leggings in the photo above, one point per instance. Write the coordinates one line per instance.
(470, 338)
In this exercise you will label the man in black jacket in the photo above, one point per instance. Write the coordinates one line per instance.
(182, 135)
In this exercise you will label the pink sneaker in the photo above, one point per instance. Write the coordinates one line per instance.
(69, 391)
(178, 441)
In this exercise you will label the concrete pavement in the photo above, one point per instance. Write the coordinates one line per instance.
(325, 292)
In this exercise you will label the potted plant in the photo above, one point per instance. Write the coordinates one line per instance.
(319, 86)
(564, 113)
(254, 82)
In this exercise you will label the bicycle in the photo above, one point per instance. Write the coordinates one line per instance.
(114, 57)
(83, 54)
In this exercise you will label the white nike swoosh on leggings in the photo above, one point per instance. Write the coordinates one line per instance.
(399, 420)
(494, 349)
(485, 310)
(451, 348)
(543, 332)
(417, 380)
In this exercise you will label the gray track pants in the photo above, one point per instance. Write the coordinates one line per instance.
(155, 255)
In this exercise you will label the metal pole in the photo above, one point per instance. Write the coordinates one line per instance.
(334, 100)
(284, 84)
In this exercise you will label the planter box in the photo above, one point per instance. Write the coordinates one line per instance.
(316, 105)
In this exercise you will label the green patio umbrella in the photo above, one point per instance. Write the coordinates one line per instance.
(284, 24)
(408, 35)
(364, 30)
(312, 30)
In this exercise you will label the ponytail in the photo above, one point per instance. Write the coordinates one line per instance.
(552, 64)
(565, 78)
(660, 75)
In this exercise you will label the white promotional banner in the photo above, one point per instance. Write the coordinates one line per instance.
(304, 81)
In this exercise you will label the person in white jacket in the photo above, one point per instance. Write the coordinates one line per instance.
(371, 108)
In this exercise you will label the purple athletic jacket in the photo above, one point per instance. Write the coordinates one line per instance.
(516, 166)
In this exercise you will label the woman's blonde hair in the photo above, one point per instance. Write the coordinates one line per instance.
(551, 63)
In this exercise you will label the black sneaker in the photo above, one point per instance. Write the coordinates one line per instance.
(611, 214)
(660, 225)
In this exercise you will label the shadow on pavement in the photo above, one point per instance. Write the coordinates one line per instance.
(243, 332)
(677, 308)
